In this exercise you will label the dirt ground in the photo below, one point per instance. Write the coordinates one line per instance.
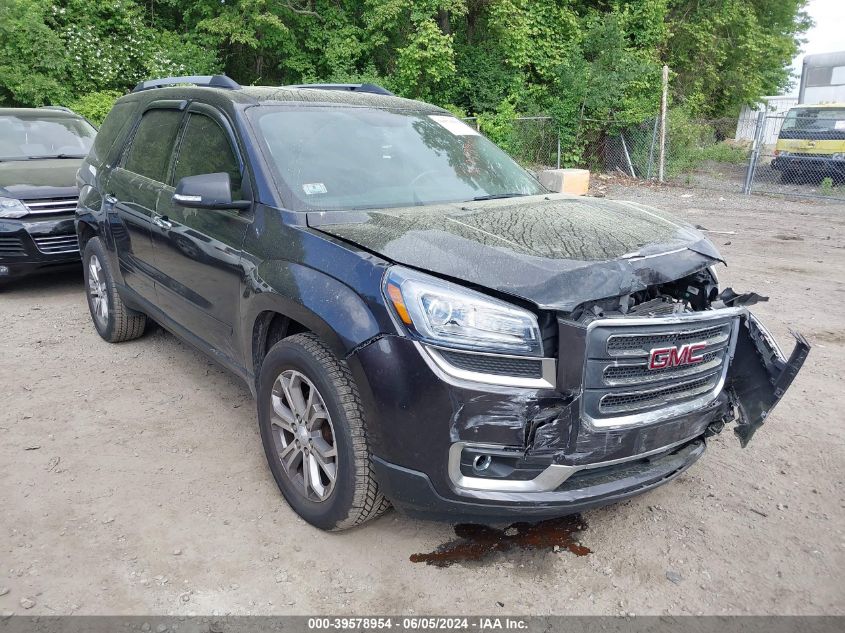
(132, 478)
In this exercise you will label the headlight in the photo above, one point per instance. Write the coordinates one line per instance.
(12, 208)
(446, 314)
(714, 275)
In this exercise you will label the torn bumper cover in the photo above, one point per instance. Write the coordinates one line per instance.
(449, 447)
(760, 374)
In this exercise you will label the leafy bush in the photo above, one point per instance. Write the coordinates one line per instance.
(95, 105)
(725, 152)
(827, 186)
(690, 142)
(499, 125)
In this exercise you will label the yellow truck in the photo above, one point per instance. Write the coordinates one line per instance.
(812, 142)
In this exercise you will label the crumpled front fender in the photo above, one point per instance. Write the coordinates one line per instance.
(760, 374)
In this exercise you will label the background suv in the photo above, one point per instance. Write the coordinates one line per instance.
(420, 321)
(40, 152)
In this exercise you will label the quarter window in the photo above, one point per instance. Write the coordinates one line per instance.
(205, 149)
(149, 154)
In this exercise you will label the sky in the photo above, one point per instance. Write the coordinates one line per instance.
(827, 36)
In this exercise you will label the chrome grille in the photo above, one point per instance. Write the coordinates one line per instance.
(638, 372)
(621, 389)
(11, 247)
(54, 244)
(660, 397)
(638, 344)
(51, 206)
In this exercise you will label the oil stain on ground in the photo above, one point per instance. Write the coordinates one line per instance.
(476, 542)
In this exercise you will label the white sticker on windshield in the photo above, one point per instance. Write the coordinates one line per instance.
(310, 188)
(455, 126)
(839, 125)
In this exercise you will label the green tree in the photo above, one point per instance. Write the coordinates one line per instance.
(575, 59)
(725, 53)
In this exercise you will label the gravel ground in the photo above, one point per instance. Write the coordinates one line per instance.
(132, 479)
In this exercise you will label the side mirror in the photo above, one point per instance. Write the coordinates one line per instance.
(207, 191)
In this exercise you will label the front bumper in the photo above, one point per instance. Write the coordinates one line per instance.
(426, 432)
(815, 163)
(413, 493)
(30, 245)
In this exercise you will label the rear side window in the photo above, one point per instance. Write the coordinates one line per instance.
(112, 128)
(205, 149)
(149, 153)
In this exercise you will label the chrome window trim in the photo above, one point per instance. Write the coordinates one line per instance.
(690, 318)
(547, 481)
(462, 377)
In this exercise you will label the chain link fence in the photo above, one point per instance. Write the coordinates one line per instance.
(800, 154)
(533, 141)
(772, 154)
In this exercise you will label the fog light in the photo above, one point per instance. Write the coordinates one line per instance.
(4, 270)
(481, 463)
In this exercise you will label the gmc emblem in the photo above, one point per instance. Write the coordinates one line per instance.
(665, 357)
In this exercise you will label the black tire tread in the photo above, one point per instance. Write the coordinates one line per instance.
(368, 503)
(126, 324)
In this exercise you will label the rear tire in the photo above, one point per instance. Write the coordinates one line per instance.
(324, 428)
(787, 176)
(113, 321)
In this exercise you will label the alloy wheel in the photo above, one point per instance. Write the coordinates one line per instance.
(97, 291)
(304, 436)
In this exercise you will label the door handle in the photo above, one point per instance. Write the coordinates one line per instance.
(162, 222)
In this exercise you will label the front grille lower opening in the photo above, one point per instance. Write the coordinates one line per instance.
(493, 365)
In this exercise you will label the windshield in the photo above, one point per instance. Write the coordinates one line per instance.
(24, 137)
(815, 119)
(364, 158)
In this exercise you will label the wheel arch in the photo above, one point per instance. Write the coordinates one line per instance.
(270, 317)
(85, 230)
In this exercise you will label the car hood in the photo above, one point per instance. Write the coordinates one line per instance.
(556, 251)
(40, 178)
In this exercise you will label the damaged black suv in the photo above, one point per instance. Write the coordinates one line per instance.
(421, 323)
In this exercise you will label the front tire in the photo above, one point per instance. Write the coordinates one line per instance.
(113, 321)
(312, 427)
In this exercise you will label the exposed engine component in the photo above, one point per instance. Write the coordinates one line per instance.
(693, 293)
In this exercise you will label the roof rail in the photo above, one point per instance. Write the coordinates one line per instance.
(371, 88)
(55, 107)
(210, 81)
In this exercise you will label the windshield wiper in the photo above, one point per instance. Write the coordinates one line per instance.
(56, 156)
(496, 196)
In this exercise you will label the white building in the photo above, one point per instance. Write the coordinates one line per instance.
(776, 106)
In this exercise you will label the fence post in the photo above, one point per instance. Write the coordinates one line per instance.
(558, 147)
(755, 152)
(627, 156)
(663, 102)
(651, 149)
